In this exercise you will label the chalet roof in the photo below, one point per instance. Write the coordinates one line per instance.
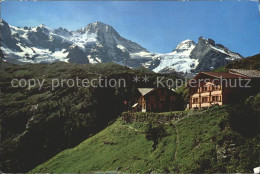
(249, 73)
(145, 91)
(223, 75)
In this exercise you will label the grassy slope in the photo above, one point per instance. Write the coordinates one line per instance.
(30, 136)
(124, 147)
(38, 124)
(252, 62)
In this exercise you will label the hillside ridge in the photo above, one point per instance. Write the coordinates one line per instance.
(121, 149)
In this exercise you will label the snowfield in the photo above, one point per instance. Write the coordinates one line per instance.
(179, 59)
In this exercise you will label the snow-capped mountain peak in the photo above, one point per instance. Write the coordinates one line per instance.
(203, 56)
(44, 28)
(63, 32)
(97, 27)
(185, 45)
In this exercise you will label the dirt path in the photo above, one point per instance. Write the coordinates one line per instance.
(177, 131)
(176, 141)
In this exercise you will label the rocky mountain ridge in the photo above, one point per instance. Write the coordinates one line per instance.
(99, 43)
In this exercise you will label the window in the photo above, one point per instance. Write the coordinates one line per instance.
(216, 87)
(204, 99)
(195, 100)
(216, 98)
(205, 89)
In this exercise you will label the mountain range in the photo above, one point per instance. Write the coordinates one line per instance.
(100, 43)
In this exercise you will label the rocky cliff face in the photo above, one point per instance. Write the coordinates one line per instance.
(99, 42)
(7, 38)
(104, 44)
(211, 55)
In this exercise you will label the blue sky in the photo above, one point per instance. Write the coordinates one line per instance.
(156, 25)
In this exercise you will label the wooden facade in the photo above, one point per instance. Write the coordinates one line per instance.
(157, 100)
(221, 88)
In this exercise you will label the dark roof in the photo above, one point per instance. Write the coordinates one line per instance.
(245, 72)
(222, 75)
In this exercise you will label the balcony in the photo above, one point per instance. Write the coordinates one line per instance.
(195, 95)
(195, 105)
(217, 103)
(206, 93)
(216, 92)
(206, 104)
